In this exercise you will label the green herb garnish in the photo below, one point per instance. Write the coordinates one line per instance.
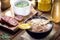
(22, 4)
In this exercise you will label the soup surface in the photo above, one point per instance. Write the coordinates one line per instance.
(22, 4)
(39, 25)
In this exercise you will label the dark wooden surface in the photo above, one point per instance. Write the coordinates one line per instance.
(56, 27)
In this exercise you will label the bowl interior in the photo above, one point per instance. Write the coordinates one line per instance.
(35, 17)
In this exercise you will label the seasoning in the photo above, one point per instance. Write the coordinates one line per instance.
(44, 5)
(56, 11)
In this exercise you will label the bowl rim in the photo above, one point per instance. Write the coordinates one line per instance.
(42, 18)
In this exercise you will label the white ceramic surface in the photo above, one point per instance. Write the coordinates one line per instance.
(24, 11)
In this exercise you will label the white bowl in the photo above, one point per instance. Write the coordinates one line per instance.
(24, 11)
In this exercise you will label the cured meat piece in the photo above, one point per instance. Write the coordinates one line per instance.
(19, 18)
(13, 22)
(5, 18)
(9, 21)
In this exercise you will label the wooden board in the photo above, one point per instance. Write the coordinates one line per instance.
(13, 29)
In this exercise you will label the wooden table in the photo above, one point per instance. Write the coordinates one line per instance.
(56, 27)
(17, 36)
